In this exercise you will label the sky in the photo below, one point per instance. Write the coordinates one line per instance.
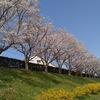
(79, 17)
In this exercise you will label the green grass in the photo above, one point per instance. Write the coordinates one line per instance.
(90, 97)
(18, 84)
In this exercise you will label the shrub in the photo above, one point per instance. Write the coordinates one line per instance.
(55, 94)
(61, 94)
(79, 92)
(91, 88)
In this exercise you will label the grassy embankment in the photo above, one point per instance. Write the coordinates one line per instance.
(18, 84)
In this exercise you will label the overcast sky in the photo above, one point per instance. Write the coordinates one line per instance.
(79, 17)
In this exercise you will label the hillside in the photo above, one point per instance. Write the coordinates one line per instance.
(18, 84)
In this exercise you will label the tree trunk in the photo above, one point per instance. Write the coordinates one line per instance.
(69, 62)
(92, 76)
(89, 76)
(60, 70)
(46, 68)
(81, 74)
(69, 72)
(76, 73)
(26, 65)
(85, 74)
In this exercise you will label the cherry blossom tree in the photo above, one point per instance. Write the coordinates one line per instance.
(72, 50)
(62, 47)
(12, 14)
(30, 39)
(93, 65)
(46, 48)
(19, 23)
(78, 57)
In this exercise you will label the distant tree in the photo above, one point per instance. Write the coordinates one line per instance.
(61, 48)
(78, 57)
(72, 50)
(46, 48)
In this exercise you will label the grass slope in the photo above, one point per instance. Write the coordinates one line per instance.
(90, 97)
(18, 84)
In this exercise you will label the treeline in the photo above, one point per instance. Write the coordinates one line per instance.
(19, 64)
(25, 30)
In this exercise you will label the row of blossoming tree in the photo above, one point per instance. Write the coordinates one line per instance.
(25, 30)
